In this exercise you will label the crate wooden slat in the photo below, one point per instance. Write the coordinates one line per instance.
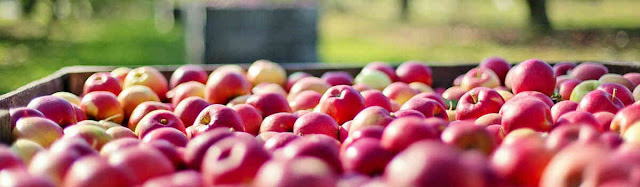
(72, 78)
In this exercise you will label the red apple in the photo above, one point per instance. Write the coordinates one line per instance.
(305, 100)
(566, 88)
(102, 81)
(362, 87)
(599, 101)
(181, 178)
(269, 103)
(142, 110)
(54, 108)
(402, 132)
(186, 73)
(341, 102)
(400, 92)
(215, 116)
(233, 161)
(40, 130)
(528, 112)
(295, 77)
(279, 140)
(497, 65)
(121, 132)
(617, 79)
(168, 150)
(421, 87)
(188, 109)
(250, 116)
(316, 123)
(8, 159)
(611, 139)
(478, 102)
(171, 135)
(633, 77)
(533, 75)
(186, 90)
(497, 132)
(21, 177)
(588, 71)
(102, 105)
(371, 116)
(72, 146)
(376, 98)
(479, 77)
(533, 94)
(521, 165)
(561, 108)
(414, 71)
(223, 86)
(604, 119)
(267, 87)
(93, 171)
(563, 68)
(133, 96)
(308, 83)
(278, 122)
(94, 135)
(468, 136)
(266, 71)
(118, 145)
(315, 173)
(263, 137)
(619, 91)
(22, 112)
(578, 118)
(120, 73)
(428, 107)
(564, 135)
(317, 146)
(366, 156)
(144, 163)
(150, 77)
(198, 146)
(335, 78)
(489, 119)
(568, 166)
(343, 131)
(72, 98)
(52, 165)
(407, 113)
(453, 93)
(384, 68)
(625, 118)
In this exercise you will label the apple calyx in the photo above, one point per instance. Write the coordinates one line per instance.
(163, 121)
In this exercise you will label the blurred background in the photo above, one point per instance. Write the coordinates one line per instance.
(38, 37)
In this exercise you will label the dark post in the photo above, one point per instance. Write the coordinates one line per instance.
(538, 15)
(404, 10)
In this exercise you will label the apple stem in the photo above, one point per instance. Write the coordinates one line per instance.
(112, 117)
(613, 95)
(473, 96)
(450, 105)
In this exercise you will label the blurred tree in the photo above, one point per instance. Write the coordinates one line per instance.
(538, 15)
(404, 10)
(28, 6)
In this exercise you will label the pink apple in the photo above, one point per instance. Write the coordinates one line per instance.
(341, 102)
(528, 112)
(319, 146)
(521, 165)
(588, 71)
(143, 109)
(279, 140)
(468, 136)
(180, 178)
(308, 83)
(563, 135)
(428, 107)
(223, 86)
(22, 112)
(618, 79)
(250, 117)
(96, 136)
(40, 130)
(362, 87)
(295, 77)
(604, 119)
(102, 105)
(316, 123)
(316, 173)
(267, 87)
(479, 77)
(96, 171)
(371, 116)
(563, 68)
(400, 92)
(497, 132)
(120, 73)
(376, 98)
(102, 81)
(402, 132)
(384, 68)
(171, 135)
(335, 78)
(366, 156)
(278, 122)
(533, 94)
(633, 77)
(233, 161)
(8, 159)
(599, 101)
(478, 102)
(453, 93)
(625, 118)
(52, 165)
(407, 113)
(414, 71)
(133, 96)
(198, 146)
(186, 73)
(185, 90)
(305, 100)
(188, 109)
(578, 118)
(144, 163)
(216, 116)
(497, 65)
(561, 108)
(121, 132)
(566, 88)
(489, 119)
(567, 166)
(533, 75)
(21, 177)
(150, 77)
(54, 108)
(619, 91)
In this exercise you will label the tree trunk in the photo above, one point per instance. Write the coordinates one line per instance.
(538, 18)
(404, 10)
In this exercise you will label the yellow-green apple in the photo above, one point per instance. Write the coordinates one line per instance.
(616, 78)
(316, 123)
(22, 112)
(187, 73)
(430, 163)
(72, 98)
(318, 146)
(565, 89)
(567, 168)
(315, 173)
(279, 140)
(497, 132)
(120, 73)
(54, 108)
(366, 156)
(371, 116)
(158, 119)
(96, 171)
(198, 146)
(335, 78)
(37, 129)
(308, 83)
(305, 100)
(384, 68)
(22, 177)
(421, 87)
(26, 149)
(376, 98)
(563, 68)
(407, 113)
(402, 132)
(266, 71)
(233, 161)
(478, 102)
(488, 119)
(588, 71)
(561, 108)
(269, 103)
(94, 135)
(266, 87)
(526, 112)
(132, 96)
(520, 165)
(633, 77)
(599, 101)
(506, 95)
(578, 118)
(583, 88)
(102, 105)
(150, 77)
(619, 91)
(361, 87)
(102, 81)
(372, 78)
(295, 77)
(414, 71)
(186, 90)
(8, 159)
(217, 116)
(479, 77)
(188, 109)
(498, 65)
(121, 132)
(532, 75)
(564, 135)
(428, 107)
(400, 92)
(341, 102)
(142, 110)
(468, 136)
(180, 178)
(142, 162)
(223, 86)
(604, 119)
(250, 116)
(278, 122)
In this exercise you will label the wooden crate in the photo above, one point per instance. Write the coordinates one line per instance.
(72, 78)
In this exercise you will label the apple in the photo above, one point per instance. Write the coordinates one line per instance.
(231, 67)
(506, 95)
(611, 139)
(588, 71)
(532, 75)
(263, 137)
(383, 67)
(564, 135)
(631, 135)
(619, 91)
(9, 159)
(615, 170)
(407, 113)
(180, 178)
(266, 71)
(563, 68)
(185, 90)
(279, 140)
(374, 79)
(305, 100)
(376, 98)
(316, 123)
(72, 98)
(72, 146)
(453, 93)
(578, 118)
(150, 77)
(371, 116)
(80, 115)
(489, 119)
(117, 145)
(223, 86)
(26, 149)
(54, 108)
(521, 165)
(22, 112)
(561, 108)
(478, 102)
(187, 73)
(367, 132)
(604, 119)
(498, 65)
(414, 71)
(278, 122)
(343, 131)
(565, 89)
(468, 136)
(216, 116)
(120, 73)
(341, 102)
(143, 109)
(37, 129)
(636, 93)
(96, 171)
(233, 161)
(94, 135)
(429, 163)
(121, 132)
(198, 146)
(633, 77)
(168, 150)
(102, 105)
(267, 87)
(143, 162)
(269, 103)
(479, 77)
(317, 146)
(400, 92)
(361, 87)
(171, 135)
(428, 107)
(21, 177)
(421, 87)
(599, 101)
(102, 81)
(308, 83)
(568, 166)
(238, 100)
(497, 132)
(583, 89)
(295, 77)
(315, 173)
(533, 94)
(526, 112)
(617, 79)
(366, 156)
(458, 80)
(102, 123)
(251, 118)
(402, 132)
(133, 96)
(335, 78)
(52, 165)
(188, 109)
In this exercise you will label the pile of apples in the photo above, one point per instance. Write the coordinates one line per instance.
(527, 125)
